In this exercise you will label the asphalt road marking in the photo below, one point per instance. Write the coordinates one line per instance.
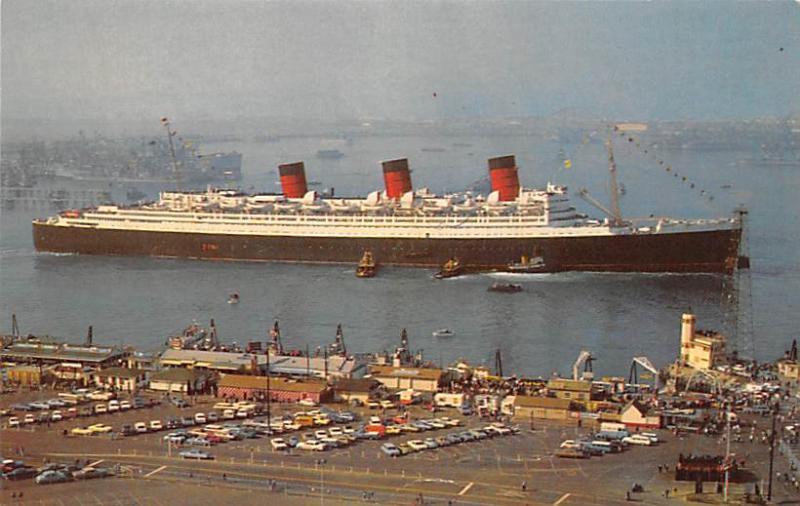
(561, 499)
(466, 488)
(154, 471)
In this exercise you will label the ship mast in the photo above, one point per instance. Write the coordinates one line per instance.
(616, 219)
(175, 166)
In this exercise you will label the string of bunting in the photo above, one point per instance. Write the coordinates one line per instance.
(667, 168)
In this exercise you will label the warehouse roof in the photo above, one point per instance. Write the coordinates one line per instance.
(60, 352)
(276, 384)
(528, 401)
(406, 372)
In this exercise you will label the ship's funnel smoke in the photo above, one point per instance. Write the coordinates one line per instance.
(503, 174)
(293, 179)
(396, 177)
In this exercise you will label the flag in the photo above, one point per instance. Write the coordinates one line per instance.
(568, 164)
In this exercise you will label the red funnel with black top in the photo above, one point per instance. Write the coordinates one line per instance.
(503, 174)
(293, 179)
(396, 177)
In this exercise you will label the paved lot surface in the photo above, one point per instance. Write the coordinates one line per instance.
(249, 472)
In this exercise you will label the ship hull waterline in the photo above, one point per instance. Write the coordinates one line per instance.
(690, 252)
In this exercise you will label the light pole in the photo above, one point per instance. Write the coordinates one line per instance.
(775, 411)
(320, 463)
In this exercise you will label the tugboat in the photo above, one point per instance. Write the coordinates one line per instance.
(505, 288)
(443, 333)
(233, 298)
(450, 269)
(366, 266)
(527, 265)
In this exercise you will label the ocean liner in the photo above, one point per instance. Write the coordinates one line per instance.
(398, 225)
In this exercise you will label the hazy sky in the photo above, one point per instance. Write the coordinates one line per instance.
(337, 60)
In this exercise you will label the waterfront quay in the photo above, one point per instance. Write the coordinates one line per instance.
(201, 421)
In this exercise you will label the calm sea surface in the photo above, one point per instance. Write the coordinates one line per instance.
(140, 301)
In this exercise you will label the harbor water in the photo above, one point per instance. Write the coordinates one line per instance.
(140, 301)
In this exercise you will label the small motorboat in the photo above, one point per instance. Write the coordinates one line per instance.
(443, 333)
(450, 269)
(505, 288)
(527, 265)
(233, 298)
(366, 266)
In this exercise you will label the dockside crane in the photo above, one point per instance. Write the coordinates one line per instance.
(644, 363)
(584, 361)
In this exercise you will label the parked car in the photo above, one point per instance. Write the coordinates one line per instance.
(212, 416)
(196, 454)
(417, 445)
(312, 444)
(307, 402)
(20, 473)
(56, 416)
(430, 443)
(178, 402)
(56, 403)
(113, 406)
(53, 476)
(140, 427)
(81, 431)
(100, 428)
(39, 405)
(100, 408)
(278, 444)
(128, 430)
(29, 418)
(156, 425)
(390, 450)
(88, 473)
(200, 418)
(13, 422)
(125, 405)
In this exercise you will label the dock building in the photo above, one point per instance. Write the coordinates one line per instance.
(244, 387)
(701, 349)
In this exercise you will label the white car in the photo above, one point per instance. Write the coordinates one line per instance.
(307, 402)
(450, 422)
(56, 415)
(312, 444)
(650, 435)
(200, 418)
(336, 431)
(569, 443)
(13, 422)
(156, 425)
(417, 445)
(375, 420)
(637, 440)
(436, 423)
(124, 405)
(278, 444)
(100, 408)
(113, 406)
(140, 427)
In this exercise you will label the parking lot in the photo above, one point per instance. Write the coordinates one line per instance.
(488, 471)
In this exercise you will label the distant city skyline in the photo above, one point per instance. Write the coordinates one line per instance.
(329, 61)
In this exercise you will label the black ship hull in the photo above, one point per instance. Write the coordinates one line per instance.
(697, 252)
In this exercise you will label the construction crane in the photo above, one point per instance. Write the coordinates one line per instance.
(584, 361)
